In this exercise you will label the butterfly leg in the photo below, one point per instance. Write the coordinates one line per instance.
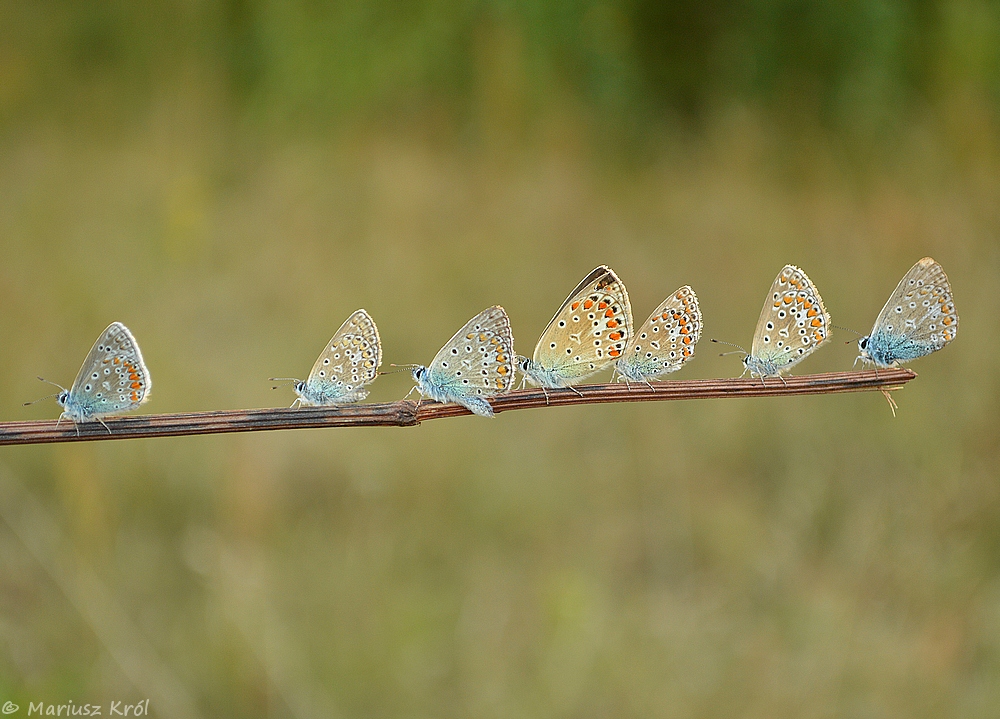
(576, 390)
(651, 387)
(546, 393)
(105, 426)
(782, 380)
(410, 392)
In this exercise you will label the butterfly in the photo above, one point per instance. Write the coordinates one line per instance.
(112, 379)
(919, 318)
(589, 331)
(665, 341)
(349, 362)
(792, 325)
(476, 363)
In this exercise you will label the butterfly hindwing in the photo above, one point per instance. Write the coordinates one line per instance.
(349, 361)
(590, 331)
(793, 324)
(666, 340)
(112, 379)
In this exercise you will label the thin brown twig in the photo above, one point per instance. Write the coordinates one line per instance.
(407, 413)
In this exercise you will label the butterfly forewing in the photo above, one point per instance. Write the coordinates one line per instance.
(113, 378)
(479, 359)
(793, 323)
(921, 307)
(349, 362)
(591, 329)
(666, 340)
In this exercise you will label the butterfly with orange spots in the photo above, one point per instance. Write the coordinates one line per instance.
(665, 341)
(475, 364)
(589, 332)
(792, 325)
(112, 379)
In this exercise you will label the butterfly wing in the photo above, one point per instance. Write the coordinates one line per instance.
(921, 307)
(112, 379)
(793, 323)
(349, 361)
(478, 361)
(590, 330)
(666, 340)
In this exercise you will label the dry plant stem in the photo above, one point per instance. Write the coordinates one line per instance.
(406, 413)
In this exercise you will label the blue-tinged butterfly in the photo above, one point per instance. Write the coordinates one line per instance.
(477, 363)
(589, 332)
(349, 361)
(665, 341)
(112, 379)
(919, 318)
(792, 325)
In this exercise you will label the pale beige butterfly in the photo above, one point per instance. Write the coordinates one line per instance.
(589, 332)
(792, 325)
(665, 341)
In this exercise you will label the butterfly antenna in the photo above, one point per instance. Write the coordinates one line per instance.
(847, 329)
(399, 368)
(48, 396)
(736, 351)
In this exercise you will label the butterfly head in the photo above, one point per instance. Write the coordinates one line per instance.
(299, 386)
(523, 364)
(863, 347)
(62, 398)
(418, 372)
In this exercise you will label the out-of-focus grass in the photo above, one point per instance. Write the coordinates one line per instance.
(793, 557)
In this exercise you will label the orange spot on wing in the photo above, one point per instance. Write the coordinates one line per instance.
(807, 304)
(615, 336)
(602, 305)
(501, 370)
(811, 313)
(612, 324)
(135, 397)
(136, 385)
(665, 316)
(788, 299)
(574, 306)
(687, 340)
(588, 304)
(817, 322)
(609, 313)
(614, 353)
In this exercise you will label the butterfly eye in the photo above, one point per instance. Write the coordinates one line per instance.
(863, 343)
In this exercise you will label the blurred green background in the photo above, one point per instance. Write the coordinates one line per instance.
(232, 179)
